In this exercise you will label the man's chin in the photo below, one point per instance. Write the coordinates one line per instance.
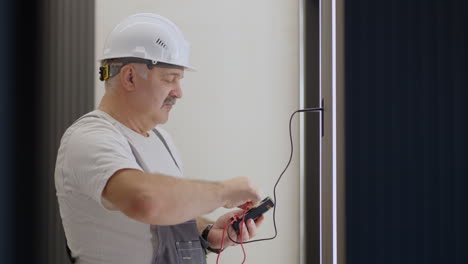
(163, 119)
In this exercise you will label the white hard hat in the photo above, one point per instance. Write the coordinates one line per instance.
(150, 37)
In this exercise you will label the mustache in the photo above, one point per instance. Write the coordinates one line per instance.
(170, 101)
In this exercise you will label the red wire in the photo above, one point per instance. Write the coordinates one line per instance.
(222, 238)
(241, 229)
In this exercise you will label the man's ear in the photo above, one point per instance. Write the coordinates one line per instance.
(127, 77)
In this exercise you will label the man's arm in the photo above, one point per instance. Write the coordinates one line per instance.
(165, 200)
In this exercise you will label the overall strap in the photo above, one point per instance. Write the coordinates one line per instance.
(165, 144)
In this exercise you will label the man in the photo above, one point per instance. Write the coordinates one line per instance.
(118, 176)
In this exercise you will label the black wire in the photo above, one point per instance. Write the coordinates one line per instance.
(318, 109)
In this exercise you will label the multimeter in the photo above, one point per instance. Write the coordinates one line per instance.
(254, 213)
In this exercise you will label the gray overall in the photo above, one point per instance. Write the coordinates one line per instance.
(175, 244)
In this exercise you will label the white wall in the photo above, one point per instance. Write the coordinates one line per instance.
(233, 118)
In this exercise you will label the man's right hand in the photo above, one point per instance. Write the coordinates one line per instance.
(238, 191)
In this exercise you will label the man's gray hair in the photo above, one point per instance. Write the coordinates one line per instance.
(115, 65)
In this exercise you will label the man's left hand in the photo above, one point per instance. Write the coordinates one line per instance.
(249, 230)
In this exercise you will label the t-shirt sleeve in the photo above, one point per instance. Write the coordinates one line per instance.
(93, 153)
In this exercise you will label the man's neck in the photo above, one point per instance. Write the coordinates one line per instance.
(118, 110)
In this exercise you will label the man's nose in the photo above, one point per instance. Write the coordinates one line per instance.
(177, 91)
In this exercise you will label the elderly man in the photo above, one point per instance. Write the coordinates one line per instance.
(119, 178)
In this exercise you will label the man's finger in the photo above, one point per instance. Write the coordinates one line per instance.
(233, 235)
(259, 220)
(245, 234)
(252, 228)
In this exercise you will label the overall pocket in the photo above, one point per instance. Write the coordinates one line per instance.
(190, 252)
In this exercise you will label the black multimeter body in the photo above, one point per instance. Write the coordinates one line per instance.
(254, 213)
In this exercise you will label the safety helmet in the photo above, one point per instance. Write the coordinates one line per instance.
(150, 37)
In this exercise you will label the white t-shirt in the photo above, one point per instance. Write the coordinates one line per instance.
(91, 151)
